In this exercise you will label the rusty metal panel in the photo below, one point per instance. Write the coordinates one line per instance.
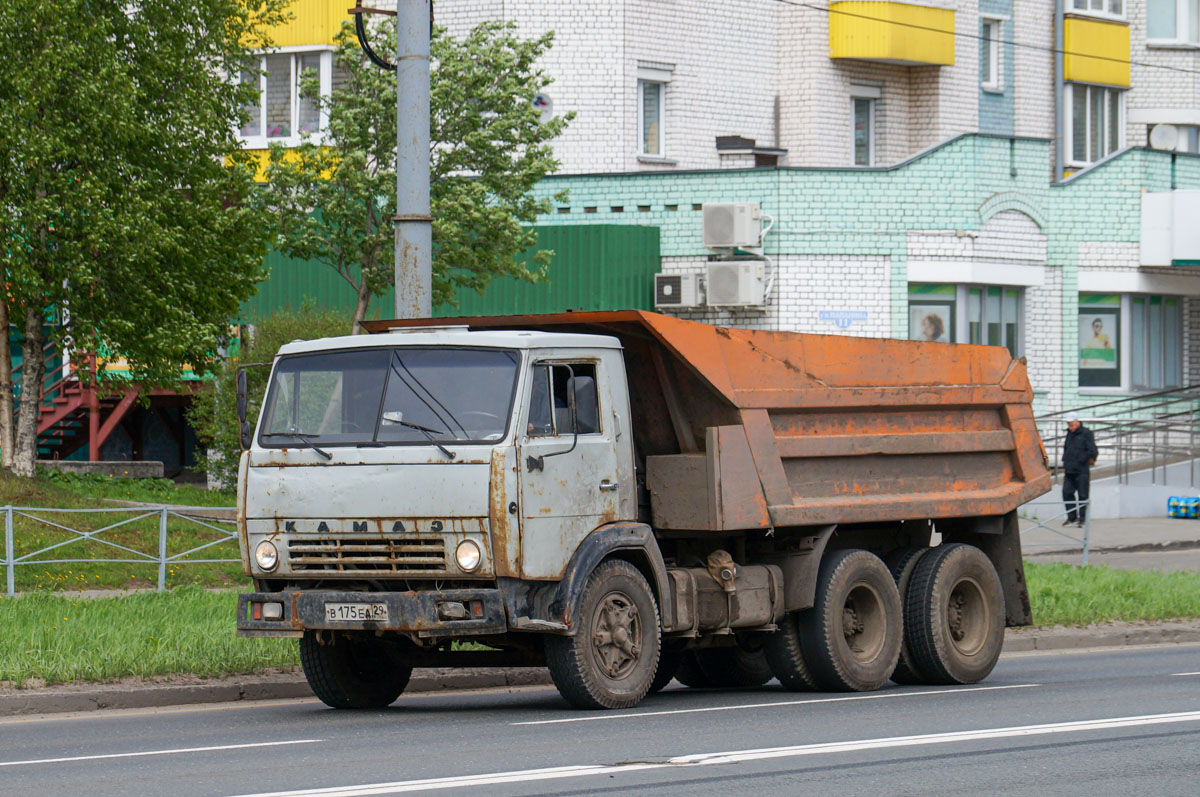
(840, 430)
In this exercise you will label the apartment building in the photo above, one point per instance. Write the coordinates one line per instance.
(1014, 172)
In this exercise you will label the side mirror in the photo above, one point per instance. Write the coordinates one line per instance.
(243, 397)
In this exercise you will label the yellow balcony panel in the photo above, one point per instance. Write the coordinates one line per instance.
(313, 22)
(893, 33)
(1090, 46)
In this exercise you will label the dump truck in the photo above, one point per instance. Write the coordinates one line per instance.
(628, 498)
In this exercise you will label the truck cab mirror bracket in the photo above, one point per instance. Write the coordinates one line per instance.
(243, 401)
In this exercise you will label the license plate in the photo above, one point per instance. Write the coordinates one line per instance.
(355, 611)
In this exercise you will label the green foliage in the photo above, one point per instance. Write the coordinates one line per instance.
(121, 178)
(189, 630)
(334, 198)
(1068, 595)
(214, 412)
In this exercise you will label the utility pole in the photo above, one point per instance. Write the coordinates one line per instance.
(414, 226)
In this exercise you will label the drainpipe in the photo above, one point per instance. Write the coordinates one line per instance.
(414, 226)
(1060, 122)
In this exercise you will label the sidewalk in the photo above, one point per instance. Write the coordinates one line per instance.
(1154, 543)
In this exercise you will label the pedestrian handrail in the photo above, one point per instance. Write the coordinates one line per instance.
(1151, 431)
(162, 557)
(1068, 508)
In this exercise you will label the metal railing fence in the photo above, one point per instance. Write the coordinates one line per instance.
(127, 554)
(1066, 509)
(1147, 432)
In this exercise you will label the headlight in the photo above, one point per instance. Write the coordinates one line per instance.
(266, 556)
(467, 556)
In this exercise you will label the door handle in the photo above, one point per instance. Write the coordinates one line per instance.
(607, 485)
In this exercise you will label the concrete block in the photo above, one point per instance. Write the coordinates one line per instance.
(112, 470)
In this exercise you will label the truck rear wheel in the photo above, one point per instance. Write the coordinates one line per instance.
(353, 671)
(954, 615)
(901, 562)
(612, 659)
(851, 636)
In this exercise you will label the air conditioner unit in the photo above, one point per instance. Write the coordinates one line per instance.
(732, 225)
(672, 291)
(734, 283)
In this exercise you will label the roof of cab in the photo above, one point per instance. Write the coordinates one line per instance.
(458, 336)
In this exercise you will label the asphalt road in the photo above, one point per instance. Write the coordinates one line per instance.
(1119, 721)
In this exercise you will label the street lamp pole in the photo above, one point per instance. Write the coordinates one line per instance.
(414, 226)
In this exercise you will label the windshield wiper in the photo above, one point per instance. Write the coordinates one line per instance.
(304, 439)
(429, 434)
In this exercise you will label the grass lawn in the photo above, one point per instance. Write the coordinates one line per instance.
(55, 638)
(35, 531)
(1068, 595)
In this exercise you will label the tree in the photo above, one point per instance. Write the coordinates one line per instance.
(213, 414)
(335, 195)
(122, 185)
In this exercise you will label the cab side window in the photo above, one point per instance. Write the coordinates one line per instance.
(549, 400)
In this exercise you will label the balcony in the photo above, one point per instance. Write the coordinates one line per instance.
(1170, 236)
(1095, 51)
(891, 33)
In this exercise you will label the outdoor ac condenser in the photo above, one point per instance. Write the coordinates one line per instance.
(735, 283)
(674, 291)
(732, 225)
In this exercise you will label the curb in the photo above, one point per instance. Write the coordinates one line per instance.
(148, 694)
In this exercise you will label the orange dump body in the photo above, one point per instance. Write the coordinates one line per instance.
(814, 429)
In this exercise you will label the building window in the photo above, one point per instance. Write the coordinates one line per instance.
(864, 131)
(1095, 123)
(1100, 340)
(1148, 357)
(990, 78)
(987, 314)
(651, 117)
(1105, 8)
(1154, 342)
(931, 313)
(280, 113)
(1173, 21)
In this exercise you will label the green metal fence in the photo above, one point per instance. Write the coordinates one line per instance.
(595, 267)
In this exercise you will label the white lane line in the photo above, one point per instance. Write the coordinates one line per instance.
(1177, 674)
(809, 701)
(155, 752)
(704, 759)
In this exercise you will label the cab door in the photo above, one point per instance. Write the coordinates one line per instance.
(570, 479)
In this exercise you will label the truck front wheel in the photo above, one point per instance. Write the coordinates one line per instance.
(612, 659)
(851, 636)
(353, 671)
(954, 615)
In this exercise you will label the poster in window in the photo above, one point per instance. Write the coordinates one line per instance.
(1099, 346)
(1097, 339)
(928, 321)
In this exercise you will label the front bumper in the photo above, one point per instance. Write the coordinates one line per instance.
(421, 612)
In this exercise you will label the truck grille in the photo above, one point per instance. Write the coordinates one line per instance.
(367, 554)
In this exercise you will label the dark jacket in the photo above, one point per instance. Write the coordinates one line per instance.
(1079, 450)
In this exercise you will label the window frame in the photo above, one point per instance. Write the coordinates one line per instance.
(1069, 90)
(294, 137)
(662, 118)
(960, 310)
(995, 63)
(1106, 12)
(1185, 10)
(871, 127)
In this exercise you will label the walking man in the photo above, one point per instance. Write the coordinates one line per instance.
(1079, 454)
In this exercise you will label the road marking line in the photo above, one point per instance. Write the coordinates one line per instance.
(1185, 673)
(155, 752)
(705, 759)
(809, 701)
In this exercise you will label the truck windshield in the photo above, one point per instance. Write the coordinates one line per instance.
(396, 396)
